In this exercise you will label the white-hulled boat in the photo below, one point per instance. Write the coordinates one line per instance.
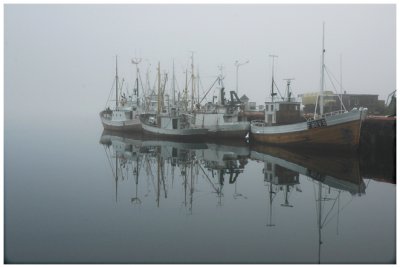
(125, 115)
(121, 119)
(170, 122)
(223, 119)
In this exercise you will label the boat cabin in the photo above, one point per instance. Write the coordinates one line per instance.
(165, 121)
(122, 115)
(279, 113)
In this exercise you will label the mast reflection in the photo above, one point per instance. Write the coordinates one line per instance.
(331, 176)
(162, 162)
(164, 171)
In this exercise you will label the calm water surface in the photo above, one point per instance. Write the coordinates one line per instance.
(74, 194)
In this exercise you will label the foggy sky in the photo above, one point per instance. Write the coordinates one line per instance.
(60, 59)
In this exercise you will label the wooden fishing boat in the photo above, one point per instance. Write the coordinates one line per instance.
(336, 129)
(284, 125)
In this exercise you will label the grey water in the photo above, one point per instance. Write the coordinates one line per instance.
(73, 194)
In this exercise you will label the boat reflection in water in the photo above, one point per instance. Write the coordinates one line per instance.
(332, 176)
(162, 160)
(335, 171)
(132, 153)
(189, 173)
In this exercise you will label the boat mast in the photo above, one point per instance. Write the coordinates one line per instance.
(288, 92)
(198, 85)
(192, 81)
(321, 104)
(159, 89)
(185, 96)
(173, 83)
(273, 82)
(341, 87)
(136, 61)
(148, 81)
(221, 98)
(116, 81)
(341, 84)
(137, 88)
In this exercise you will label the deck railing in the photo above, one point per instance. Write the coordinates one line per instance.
(334, 113)
(258, 123)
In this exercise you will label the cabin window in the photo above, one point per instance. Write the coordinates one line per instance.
(272, 107)
(269, 166)
(266, 107)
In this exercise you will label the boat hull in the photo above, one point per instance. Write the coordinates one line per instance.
(234, 130)
(340, 131)
(127, 125)
(173, 132)
(182, 133)
(221, 124)
(343, 134)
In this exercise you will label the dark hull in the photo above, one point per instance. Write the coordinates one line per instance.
(343, 136)
(333, 169)
(239, 134)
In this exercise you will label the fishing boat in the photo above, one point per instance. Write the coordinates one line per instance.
(224, 118)
(170, 122)
(284, 125)
(125, 115)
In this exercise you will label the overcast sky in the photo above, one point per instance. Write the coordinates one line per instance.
(62, 57)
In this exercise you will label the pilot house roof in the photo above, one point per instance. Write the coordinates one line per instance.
(244, 98)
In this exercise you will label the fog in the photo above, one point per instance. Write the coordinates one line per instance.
(59, 60)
